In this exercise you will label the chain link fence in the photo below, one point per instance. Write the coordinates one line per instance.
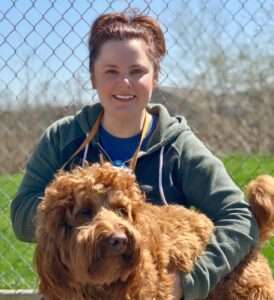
(218, 73)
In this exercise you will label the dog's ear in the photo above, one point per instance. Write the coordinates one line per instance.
(52, 234)
(54, 277)
(50, 260)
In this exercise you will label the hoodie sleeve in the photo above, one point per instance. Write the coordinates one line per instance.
(208, 187)
(40, 170)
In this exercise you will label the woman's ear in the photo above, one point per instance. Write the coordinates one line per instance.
(155, 83)
(155, 80)
(93, 81)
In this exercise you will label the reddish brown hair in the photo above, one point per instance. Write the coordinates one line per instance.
(124, 26)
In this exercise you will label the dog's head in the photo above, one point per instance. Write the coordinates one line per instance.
(85, 227)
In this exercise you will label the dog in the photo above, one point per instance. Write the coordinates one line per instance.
(98, 239)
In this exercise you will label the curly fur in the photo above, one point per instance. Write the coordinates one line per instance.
(97, 238)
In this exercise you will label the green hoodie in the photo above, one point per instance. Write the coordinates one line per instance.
(174, 167)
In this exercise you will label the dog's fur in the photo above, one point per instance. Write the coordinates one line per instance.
(97, 238)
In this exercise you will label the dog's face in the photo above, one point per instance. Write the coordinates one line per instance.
(85, 227)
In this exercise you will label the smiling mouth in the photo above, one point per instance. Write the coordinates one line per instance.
(124, 98)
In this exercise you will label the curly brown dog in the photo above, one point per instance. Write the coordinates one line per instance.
(98, 239)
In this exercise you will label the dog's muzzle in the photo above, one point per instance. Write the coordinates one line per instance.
(118, 243)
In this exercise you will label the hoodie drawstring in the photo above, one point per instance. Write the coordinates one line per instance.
(160, 178)
(90, 135)
(85, 155)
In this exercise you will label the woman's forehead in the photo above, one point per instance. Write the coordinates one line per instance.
(133, 51)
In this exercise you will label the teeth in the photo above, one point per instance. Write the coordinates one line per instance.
(123, 97)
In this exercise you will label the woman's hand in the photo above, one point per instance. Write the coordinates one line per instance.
(177, 286)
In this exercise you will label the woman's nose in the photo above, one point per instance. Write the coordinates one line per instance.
(125, 80)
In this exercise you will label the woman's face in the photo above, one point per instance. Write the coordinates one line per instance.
(124, 78)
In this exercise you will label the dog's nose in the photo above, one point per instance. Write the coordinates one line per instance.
(118, 242)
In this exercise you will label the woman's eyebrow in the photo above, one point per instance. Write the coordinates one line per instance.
(138, 66)
(110, 66)
(131, 66)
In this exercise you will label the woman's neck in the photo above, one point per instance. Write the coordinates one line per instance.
(124, 128)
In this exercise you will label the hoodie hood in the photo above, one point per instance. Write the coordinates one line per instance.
(168, 127)
(87, 116)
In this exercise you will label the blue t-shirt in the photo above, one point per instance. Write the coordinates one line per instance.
(121, 150)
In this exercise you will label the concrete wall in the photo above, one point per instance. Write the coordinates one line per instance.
(19, 295)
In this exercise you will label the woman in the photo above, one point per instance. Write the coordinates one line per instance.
(171, 164)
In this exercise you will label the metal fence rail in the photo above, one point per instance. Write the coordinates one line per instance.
(19, 295)
(218, 73)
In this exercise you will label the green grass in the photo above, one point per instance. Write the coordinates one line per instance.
(242, 169)
(16, 257)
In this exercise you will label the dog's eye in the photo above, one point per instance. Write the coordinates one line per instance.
(121, 211)
(85, 212)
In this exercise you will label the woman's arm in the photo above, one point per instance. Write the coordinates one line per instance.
(208, 187)
(40, 170)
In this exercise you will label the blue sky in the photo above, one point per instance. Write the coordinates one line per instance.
(47, 40)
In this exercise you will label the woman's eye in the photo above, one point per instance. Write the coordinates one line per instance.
(137, 71)
(111, 71)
